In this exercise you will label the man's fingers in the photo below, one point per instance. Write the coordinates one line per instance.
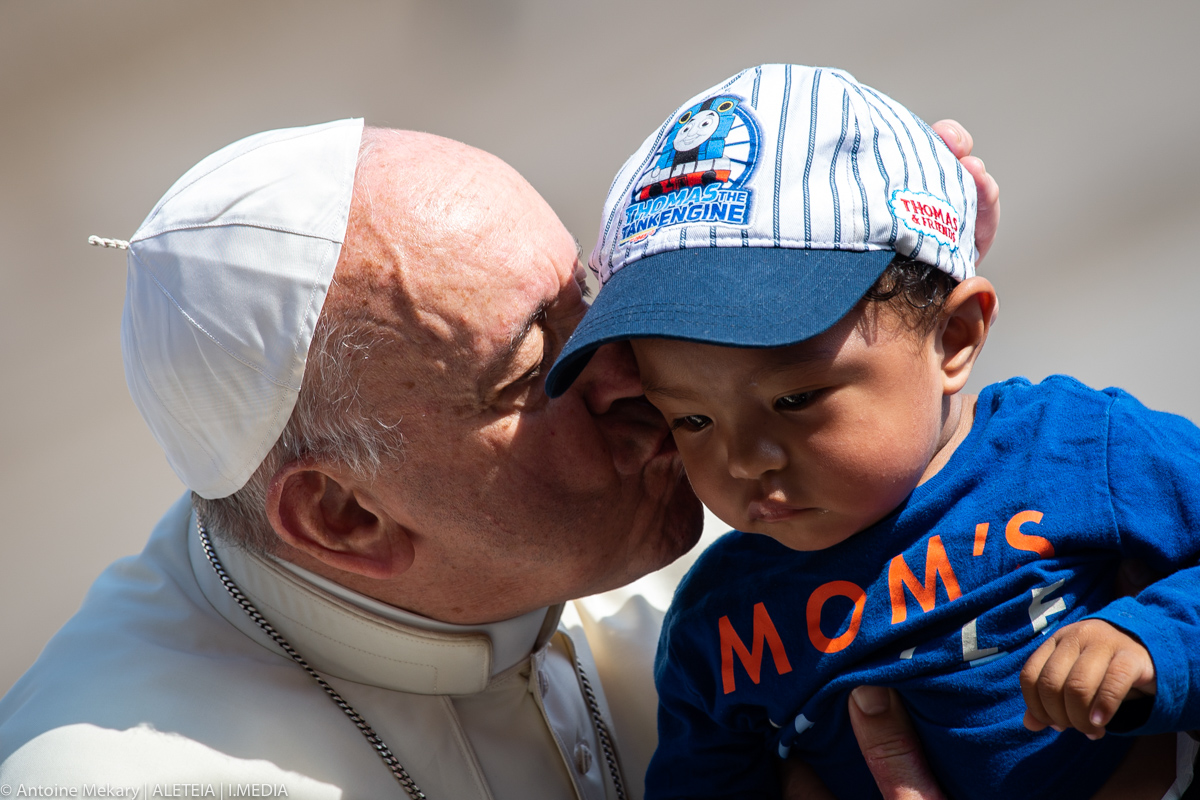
(987, 215)
(987, 191)
(799, 782)
(956, 137)
(890, 746)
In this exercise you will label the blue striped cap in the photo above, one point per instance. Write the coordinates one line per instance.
(763, 209)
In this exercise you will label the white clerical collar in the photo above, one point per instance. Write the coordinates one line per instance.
(512, 639)
(351, 636)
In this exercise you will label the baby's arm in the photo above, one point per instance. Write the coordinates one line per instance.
(1081, 675)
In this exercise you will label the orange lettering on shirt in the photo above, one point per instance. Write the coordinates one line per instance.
(980, 537)
(1025, 541)
(899, 576)
(764, 630)
(816, 602)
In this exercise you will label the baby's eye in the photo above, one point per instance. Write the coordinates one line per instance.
(692, 423)
(791, 402)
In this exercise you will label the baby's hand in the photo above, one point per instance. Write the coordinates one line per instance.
(1081, 674)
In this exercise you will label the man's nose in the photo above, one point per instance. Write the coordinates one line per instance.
(611, 375)
(751, 456)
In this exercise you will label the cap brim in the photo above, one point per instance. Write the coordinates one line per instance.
(731, 296)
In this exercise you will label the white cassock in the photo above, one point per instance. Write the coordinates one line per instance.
(163, 686)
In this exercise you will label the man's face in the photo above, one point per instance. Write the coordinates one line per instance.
(513, 501)
(811, 443)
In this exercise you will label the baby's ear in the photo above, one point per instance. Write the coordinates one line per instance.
(967, 317)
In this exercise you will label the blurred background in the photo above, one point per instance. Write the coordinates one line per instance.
(1088, 114)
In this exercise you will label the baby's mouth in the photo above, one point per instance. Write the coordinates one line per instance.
(769, 510)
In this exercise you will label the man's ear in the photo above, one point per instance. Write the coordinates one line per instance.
(327, 514)
(967, 317)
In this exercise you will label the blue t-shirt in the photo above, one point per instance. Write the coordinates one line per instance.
(1019, 534)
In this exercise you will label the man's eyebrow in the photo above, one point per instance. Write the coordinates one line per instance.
(581, 271)
(498, 368)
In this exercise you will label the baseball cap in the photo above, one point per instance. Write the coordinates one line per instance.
(762, 210)
(226, 278)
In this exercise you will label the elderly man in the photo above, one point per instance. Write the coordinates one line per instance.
(387, 514)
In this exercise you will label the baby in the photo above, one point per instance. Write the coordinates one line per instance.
(792, 257)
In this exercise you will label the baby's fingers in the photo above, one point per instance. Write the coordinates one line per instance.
(1080, 676)
(1037, 717)
(1095, 686)
(1124, 670)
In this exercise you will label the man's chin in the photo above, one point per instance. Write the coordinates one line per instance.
(683, 524)
(675, 530)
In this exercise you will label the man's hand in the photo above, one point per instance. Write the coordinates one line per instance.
(1079, 676)
(890, 745)
(987, 218)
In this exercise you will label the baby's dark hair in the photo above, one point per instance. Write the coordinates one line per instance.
(916, 290)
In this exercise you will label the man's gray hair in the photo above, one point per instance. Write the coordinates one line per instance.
(330, 422)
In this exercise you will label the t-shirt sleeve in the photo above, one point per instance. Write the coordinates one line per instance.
(697, 756)
(1154, 484)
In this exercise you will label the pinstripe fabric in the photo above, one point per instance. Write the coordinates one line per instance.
(812, 147)
(836, 206)
(862, 190)
(958, 169)
(769, 159)
(871, 114)
(790, 125)
(779, 148)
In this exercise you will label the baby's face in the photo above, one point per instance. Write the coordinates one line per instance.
(811, 443)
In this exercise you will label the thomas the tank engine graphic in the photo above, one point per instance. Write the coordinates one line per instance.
(695, 151)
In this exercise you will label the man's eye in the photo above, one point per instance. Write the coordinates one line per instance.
(692, 422)
(525, 392)
(791, 402)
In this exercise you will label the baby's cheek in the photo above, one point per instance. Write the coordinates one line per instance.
(712, 484)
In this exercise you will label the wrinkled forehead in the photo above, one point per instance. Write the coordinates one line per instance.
(446, 273)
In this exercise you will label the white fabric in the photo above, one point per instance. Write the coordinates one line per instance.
(1186, 750)
(511, 640)
(227, 276)
(161, 680)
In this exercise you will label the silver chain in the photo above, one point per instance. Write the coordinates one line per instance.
(610, 754)
(385, 752)
(377, 744)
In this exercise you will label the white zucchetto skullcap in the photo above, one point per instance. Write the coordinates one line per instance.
(227, 276)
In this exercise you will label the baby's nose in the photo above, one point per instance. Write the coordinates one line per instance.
(752, 457)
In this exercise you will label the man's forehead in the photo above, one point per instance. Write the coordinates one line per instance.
(453, 267)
